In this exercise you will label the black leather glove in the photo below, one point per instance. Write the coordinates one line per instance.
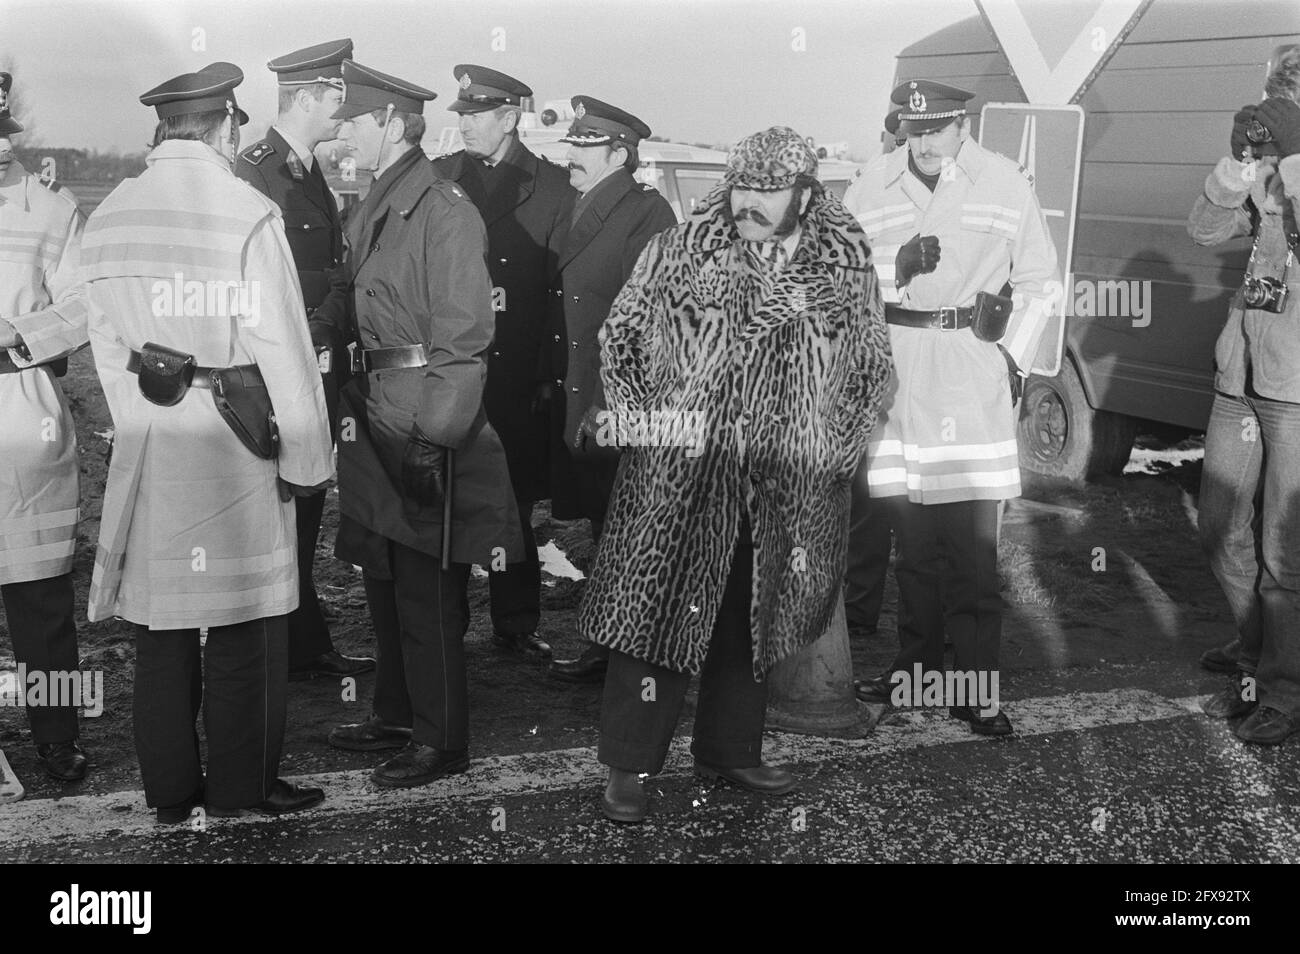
(919, 256)
(1240, 146)
(424, 469)
(1281, 117)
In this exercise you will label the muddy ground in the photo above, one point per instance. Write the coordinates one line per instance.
(1110, 572)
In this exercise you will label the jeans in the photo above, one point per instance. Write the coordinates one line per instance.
(1250, 530)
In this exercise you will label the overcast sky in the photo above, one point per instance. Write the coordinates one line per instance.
(694, 70)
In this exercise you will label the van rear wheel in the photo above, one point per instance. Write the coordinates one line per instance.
(1062, 438)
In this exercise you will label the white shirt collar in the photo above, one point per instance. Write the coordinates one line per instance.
(306, 155)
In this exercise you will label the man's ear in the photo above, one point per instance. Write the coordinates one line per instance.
(396, 131)
(302, 99)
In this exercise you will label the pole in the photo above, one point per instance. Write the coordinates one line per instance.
(811, 692)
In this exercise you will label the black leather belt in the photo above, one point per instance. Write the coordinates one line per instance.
(386, 359)
(945, 319)
(7, 365)
(202, 377)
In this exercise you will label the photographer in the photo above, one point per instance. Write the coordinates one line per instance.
(1249, 519)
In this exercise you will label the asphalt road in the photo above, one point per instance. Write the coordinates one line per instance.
(1108, 764)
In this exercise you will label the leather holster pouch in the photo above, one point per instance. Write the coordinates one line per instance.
(244, 404)
(989, 319)
(164, 374)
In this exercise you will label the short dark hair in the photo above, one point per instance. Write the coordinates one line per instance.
(287, 93)
(198, 127)
(633, 161)
(413, 123)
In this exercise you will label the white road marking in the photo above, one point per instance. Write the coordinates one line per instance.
(86, 817)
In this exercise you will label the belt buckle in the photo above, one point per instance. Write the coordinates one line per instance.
(944, 324)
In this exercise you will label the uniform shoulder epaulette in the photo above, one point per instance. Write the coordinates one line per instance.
(1026, 173)
(647, 187)
(257, 152)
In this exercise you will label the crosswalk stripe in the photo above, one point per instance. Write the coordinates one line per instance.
(86, 817)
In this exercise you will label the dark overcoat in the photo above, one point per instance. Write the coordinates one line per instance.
(596, 255)
(416, 260)
(524, 202)
(783, 373)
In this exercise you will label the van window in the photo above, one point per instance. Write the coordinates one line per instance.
(694, 184)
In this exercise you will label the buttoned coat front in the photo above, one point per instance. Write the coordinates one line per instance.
(419, 277)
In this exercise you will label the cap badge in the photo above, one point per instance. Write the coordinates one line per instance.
(580, 111)
(4, 99)
(465, 81)
(917, 101)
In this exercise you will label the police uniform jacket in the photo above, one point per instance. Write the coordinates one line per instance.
(1260, 346)
(40, 234)
(193, 531)
(418, 277)
(524, 202)
(947, 431)
(597, 253)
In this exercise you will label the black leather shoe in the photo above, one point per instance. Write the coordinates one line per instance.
(1229, 702)
(996, 724)
(764, 779)
(332, 664)
(1268, 726)
(874, 691)
(590, 666)
(624, 799)
(419, 765)
(63, 760)
(529, 644)
(285, 797)
(373, 735)
(1221, 658)
(180, 812)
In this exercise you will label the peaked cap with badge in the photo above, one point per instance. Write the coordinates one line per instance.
(211, 88)
(8, 125)
(481, 89)
(366, 89)
(321, 63)
(927, 105)
(599, 124)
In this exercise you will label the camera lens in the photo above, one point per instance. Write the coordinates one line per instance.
(1254, 293)
(1258, 133)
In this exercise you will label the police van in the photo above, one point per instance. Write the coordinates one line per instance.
(1154, 85)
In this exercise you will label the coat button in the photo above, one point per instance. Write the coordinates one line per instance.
(559, 383)
(374, 336)
(370, 292)
(574, 343)
(575, 297)
(574, 389)
(496, 354)
(557, 337)
(375, 247)
(503, 261)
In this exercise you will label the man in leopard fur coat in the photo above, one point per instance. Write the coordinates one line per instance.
(743, 364)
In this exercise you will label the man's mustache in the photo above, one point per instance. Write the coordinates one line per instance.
(754, 214)
(577, 166)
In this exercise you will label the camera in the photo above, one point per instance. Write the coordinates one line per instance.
(1258, 133)
(1265, 294)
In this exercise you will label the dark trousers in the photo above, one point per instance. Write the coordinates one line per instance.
(870, 540)
(309, 635)
(515, 593)
(45, 639)
(635, 730)
(240, 682)
(946, 565)
(420, 618)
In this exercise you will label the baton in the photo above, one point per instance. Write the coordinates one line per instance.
(449, 483)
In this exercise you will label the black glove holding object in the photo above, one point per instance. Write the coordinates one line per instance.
(1240, 146)
(424, 469)
(918, 256)
(1281, 117)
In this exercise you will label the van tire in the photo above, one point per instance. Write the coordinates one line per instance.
(1062, 438)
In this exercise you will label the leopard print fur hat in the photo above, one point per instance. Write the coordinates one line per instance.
(770, 160)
